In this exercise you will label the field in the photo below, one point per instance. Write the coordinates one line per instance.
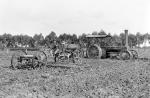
(143, 52)
(93, 79)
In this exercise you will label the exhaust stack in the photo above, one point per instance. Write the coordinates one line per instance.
(126, 39)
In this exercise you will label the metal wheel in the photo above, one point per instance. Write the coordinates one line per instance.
(134, 53)
(94, 51)
(125, 55)
(63, 58)
(14, 60)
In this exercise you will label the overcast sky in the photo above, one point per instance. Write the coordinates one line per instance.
(74, 16)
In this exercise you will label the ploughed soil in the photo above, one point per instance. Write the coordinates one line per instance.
(94, 78)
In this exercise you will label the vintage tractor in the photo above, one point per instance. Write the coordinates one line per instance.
(102, 50)
(28, 60)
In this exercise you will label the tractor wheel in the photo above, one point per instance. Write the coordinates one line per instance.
(94, 51)
(14, 60)
(63, 59)
(134, 53)
(125, 55)
(41, 57)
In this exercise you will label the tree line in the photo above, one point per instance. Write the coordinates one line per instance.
(37, 40)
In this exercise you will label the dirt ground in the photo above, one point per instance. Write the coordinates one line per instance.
(95, 78)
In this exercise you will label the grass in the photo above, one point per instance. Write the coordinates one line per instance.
(95, 78)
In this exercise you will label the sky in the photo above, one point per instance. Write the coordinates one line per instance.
(74, 16)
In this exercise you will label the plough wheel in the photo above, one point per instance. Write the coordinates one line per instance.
(78, 60)
(14, 59)
(77, 57)
(134, 53)
(125, 55)
(41, 56)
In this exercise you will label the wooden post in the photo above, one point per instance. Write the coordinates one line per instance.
(126, 39)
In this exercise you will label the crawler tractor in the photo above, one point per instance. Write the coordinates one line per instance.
(30, 60)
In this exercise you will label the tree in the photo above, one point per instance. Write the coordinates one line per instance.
(64, 37)
(38, 39)
(132, 40)
(68, 38)
(31, 43)
(122, 37)
(49, 39)
(1, 38)
(74, 38)
(102, 32)
(95, 33)
(7, 38)
(139, 37)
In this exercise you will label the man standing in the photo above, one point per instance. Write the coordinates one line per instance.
(55, 50)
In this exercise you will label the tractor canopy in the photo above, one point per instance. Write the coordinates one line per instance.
(98, 36)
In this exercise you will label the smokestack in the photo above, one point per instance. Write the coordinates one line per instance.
(126, 38)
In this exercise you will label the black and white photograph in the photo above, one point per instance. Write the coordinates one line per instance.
(74, 48)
